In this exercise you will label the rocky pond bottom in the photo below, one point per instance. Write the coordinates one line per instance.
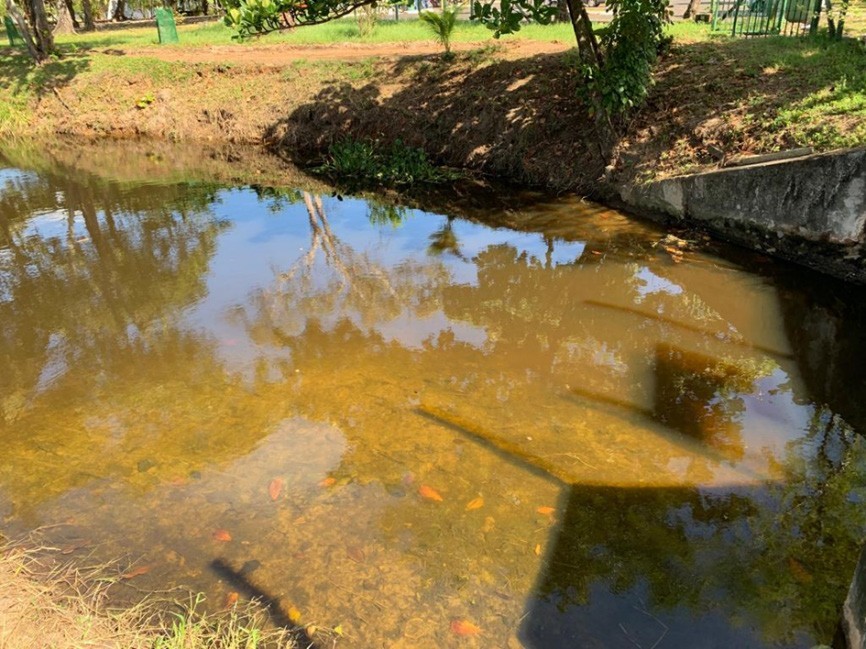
(549, 426)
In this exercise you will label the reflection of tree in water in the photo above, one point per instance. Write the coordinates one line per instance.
(78, 297)
(93, 280)
(444, 240)
(331, 280)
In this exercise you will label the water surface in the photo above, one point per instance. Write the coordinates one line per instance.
(552, 422)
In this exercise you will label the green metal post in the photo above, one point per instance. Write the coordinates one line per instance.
(12, 34)
(165, 26)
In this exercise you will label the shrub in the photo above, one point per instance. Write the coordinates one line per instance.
(442, 25)
(355, 161)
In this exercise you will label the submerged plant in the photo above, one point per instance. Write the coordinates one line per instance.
(442, 25)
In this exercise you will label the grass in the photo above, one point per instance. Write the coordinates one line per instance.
(355, 162)
(43, 604)
(719, 96)
(337, 31)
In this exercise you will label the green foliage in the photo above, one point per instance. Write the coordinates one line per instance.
(631, 43)
(355, 161)
(442, 24)
(507, 17)
(256, 17)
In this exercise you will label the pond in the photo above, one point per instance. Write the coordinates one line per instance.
(503, 421)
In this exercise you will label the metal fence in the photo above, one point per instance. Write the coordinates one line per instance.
(766, 17)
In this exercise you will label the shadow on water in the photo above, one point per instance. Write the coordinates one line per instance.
(272, 604)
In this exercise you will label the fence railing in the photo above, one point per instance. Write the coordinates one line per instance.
(766, 17)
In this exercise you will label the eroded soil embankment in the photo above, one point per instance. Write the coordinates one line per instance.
(494, 110)
(509, 109)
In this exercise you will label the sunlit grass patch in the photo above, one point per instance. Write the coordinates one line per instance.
(344, 30)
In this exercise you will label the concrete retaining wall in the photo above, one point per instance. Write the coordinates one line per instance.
(811, 210)
(854, 610)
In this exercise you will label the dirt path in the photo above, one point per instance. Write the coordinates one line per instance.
(279, 55)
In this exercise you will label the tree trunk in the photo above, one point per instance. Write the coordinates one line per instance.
(87, 12)
(119, 10)
(33, 26)
(44, 37)
(71, 8)
(64, 20)
(587, 45)
(692, 9)
(561, 11)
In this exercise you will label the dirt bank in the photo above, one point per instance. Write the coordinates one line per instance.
(508, 109)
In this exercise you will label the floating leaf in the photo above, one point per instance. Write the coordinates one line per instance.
(538, 549)
(429, 493)
(135, 572)
(231, 599)
(294, 615)
(545, 511)
(338, 629)
(355, 553)
(328, 482)
(464, 627)
(222, 535)
(475, 503)
(275, 488)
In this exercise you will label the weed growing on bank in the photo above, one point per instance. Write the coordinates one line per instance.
(358, 162)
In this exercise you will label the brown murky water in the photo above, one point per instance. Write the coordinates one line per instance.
(430, 430)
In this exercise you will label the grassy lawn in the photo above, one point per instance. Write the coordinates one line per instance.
(338, 31)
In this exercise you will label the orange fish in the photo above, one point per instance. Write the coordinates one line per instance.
(429, 493)
(222, 535)
(275, 488)
(464, 627)
(476, 503)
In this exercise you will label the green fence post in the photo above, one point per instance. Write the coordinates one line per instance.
(12, 34)
(165, 26)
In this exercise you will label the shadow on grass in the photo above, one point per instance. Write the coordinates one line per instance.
(726, 96)
(523, 119)
(517, 119)
(19, 76)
